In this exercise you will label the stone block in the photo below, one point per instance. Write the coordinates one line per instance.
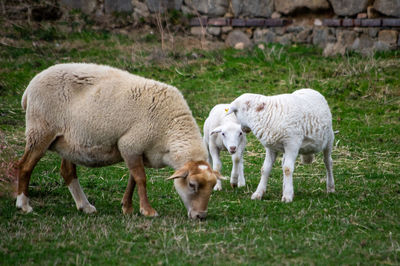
(215, 31)
(291, 6)
(253, 8)
(235, 37)
(388, 7)
(111, 6)
(87, 6)
(388, 36)
(349, 7)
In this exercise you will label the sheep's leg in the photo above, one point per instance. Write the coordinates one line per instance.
(289, 159)
(330, 182)
(68, 172)
(136, 169)
(34, 150)
(127, 199)
(214, 152)
(270, 157)
(242, 181)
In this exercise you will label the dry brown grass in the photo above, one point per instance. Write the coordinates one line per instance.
(8, 170)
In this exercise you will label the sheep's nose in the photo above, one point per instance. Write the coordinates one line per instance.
(232, 149)
(198, 215)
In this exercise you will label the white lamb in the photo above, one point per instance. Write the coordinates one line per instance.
(222, 132)
(96, 115)
(295, 123)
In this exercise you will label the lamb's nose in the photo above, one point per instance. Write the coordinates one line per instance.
(232, 149)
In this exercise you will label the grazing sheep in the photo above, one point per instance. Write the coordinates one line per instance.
(222, 132)
(295, 123)
(96, 115)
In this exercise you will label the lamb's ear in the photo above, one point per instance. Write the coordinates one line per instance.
(246, 129)
(216, 130)
(219, 176)
(181, 173)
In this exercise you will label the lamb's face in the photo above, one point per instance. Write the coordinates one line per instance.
(194, 183)
(232, 136)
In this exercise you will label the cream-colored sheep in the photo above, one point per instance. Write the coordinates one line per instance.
(95, 115)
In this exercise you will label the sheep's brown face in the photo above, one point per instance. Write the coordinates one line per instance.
(194, 183)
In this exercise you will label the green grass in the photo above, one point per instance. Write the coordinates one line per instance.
(359, 224)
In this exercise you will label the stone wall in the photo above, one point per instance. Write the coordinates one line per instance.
(337, 26)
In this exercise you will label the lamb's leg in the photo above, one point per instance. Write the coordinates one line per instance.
(214, 152)
(36, 146)
(270, 157)
(127, 199)
(68, 172)
(136, 169)
(237, 176)
(330, 183)
(289, 159)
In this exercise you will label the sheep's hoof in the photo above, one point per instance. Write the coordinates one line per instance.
(127, 209)
(150, 212)
(234, 185)
(256, 196)
(218, 187)
(330, 189)
(287, 198)
(89, 208)
(23, 203)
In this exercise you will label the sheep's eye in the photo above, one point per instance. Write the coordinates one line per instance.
(240, 133)
(192, 185)
(223, 134)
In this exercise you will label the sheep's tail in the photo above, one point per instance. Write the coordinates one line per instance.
(24, 100)
(307, 158)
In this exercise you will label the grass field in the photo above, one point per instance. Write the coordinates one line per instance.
(359, 224)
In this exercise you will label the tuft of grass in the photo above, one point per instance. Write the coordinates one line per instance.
(359, 224)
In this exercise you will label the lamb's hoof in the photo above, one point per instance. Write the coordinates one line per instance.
(234, 185)
(89, 208)
(127, 209)
(218, 187)
(241, 184)
(148, 212)
(287, 198)
(330, 189)
(26, 208)
(256, 196)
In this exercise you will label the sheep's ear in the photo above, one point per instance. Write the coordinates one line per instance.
(216, 130)
(230, 110)
(181, 173)
(219, 176)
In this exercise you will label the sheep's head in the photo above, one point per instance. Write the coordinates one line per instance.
(194, 183)
(232, 136)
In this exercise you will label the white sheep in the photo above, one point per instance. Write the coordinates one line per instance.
(95, 115)
(295, 123)
(222, 132)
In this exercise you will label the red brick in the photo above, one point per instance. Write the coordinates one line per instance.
(238, 22)
(370, 23)
(357, 22)
(348, 22)
(255, 22)
(391, 22)
(198, 21)
(217, 22)
(331, 22)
